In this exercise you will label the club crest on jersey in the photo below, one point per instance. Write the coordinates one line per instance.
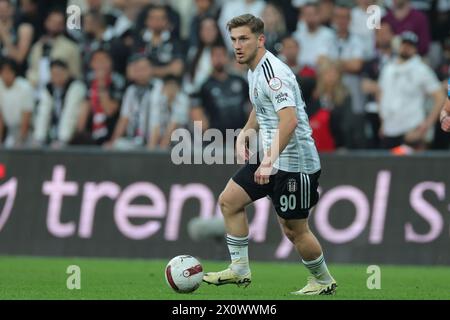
(292, 185)
(255, 93)
(275, 84)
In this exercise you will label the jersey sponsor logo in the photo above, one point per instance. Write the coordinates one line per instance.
(275, 84)
(292, 185)
(281, 97)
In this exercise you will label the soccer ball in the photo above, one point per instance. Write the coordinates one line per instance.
(184, 274)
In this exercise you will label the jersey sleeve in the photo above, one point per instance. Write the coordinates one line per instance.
(278, 87)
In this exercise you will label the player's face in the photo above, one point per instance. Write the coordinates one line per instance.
(245, 44)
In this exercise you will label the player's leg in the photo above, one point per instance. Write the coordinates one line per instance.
(294, 195)
(240, 191)
(233, 201)
(307, 245)
(305, 242)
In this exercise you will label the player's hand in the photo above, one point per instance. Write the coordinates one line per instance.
(263, 173)
(445, 124)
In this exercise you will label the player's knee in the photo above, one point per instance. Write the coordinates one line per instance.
(225, 203)
(295, 235)
(290, 234)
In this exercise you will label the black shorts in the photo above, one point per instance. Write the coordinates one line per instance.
(293, 194)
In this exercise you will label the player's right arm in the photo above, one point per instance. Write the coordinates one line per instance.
(445, 112)
(250, 128)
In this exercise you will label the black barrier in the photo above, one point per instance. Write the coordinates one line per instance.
(373, 208)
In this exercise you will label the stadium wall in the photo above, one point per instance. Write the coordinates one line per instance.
(373, 209)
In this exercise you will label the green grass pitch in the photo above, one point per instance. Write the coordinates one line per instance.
(45, 278)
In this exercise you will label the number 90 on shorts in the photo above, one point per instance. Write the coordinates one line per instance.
(295, 193)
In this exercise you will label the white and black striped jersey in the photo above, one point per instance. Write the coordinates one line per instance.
(272, 87)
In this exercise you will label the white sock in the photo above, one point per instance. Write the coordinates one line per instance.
(238, 248)
(319, 270)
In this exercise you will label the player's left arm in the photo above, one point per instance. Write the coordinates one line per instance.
(281, 92)
(286, 127)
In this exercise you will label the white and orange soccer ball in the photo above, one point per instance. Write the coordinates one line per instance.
(184, 274)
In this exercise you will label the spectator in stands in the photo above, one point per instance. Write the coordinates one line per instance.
(125, 15)
(331, 110)
(199, 57)
(222, 102)
(290, 13)
(403, 17)
(350, 54)
(29, 14)
(94, 36)
(404, 85)
(173, 17)
(107, 12)
(204, 9)
(371, 71)
(274, 27)
(326, 8)
(58, 107)
(289, 53)
(235, 7)
(16, 105)
(163, 51)
(358, 26)
(306, 76)
(169, 115)
(144, 94)
(100, 110)
(15, 39)
(311, 34)
(51, 46)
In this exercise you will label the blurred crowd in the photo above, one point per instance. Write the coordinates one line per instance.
(126, 73)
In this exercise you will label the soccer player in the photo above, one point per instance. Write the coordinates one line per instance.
(289, 170)
(445, 113)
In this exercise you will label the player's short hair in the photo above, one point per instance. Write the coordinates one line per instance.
(255, 24)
